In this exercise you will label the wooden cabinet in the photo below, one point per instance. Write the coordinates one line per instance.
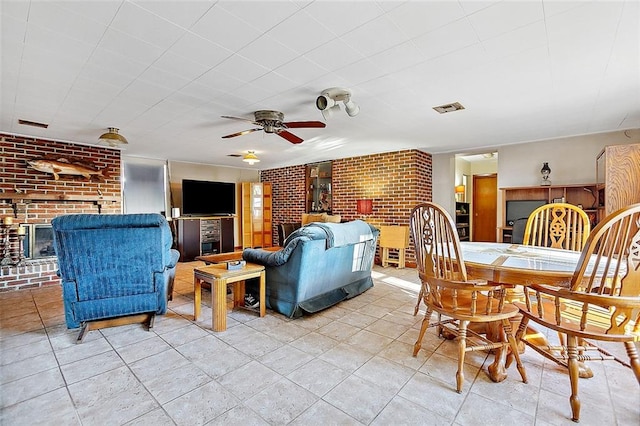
(462, 221)
(256, 215)
(202, 236)
(618, 178)
(319, 195)
(524, 200)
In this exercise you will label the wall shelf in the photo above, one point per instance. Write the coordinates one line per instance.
(16, 199)
(462, 221)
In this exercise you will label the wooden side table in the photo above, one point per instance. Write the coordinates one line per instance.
(218, 276)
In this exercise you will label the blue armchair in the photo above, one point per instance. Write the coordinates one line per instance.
(320, 265)
(113, 266)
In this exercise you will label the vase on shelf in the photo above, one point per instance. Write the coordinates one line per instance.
(545, 171)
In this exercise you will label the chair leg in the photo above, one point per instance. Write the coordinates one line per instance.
(152, 318)
(84, 330)
(462, 349)
(574, 374)
(423, 329)
(420, 296)
(513, 344)
(633, 358)
(519, 337)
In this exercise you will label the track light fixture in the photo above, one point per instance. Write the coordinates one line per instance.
(328, 100)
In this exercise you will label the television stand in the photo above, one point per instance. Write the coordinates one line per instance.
(199, 236)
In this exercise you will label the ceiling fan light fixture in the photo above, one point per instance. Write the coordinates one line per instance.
(113, 138)
(251, 158)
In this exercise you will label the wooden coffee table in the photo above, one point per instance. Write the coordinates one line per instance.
(220, 257)
(218, 276)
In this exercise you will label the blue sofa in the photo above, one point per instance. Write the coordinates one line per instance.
(319, 265)
(113, 265)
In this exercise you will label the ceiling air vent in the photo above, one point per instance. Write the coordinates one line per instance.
(456, 106)
(234, 155)
(33, 123)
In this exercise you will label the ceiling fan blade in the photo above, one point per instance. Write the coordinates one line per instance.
(241, 119)
(244, 132)
(289, 136)
(301, 124)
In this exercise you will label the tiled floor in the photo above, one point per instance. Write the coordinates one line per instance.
(348, 365)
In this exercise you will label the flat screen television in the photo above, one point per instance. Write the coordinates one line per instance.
(516, 209)
(206, 198)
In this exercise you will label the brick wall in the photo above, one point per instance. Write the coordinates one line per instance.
(395, 181)
(287, 194)
(17, 176)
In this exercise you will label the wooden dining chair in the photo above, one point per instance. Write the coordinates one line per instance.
(447, 291)
(602, 302)
(557, 225)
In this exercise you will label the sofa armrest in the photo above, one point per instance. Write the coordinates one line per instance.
(173, 260)
(272, 258)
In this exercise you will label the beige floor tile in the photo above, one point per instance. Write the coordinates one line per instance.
(249, 379)
(88, 348)
(318, 376)
(368, 341)
(201, 405)
(143, 349)
(346, 357)
(240, 415)
(350, 364)
(27, 367)
(249, 341)
(359, 398)
(323, 413)
(115, 395)
(52, 408)
(403, 412)
(281, 402)
(92, 366)
(157, 417)
(285, 359)
(434, 395)
(314, 343)
(338, 331)
(18, 353)
(477, 408)
(30, 387)
(384, 373)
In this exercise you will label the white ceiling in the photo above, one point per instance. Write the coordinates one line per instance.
(165, 71)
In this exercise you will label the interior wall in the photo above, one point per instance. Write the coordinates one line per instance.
(572, 161)
(179, 170)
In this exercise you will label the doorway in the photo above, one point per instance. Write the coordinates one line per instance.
(485, 202)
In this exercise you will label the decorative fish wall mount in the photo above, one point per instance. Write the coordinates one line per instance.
(65, 166)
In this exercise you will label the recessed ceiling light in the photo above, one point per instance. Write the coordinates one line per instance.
(442, 109)
(33, 123)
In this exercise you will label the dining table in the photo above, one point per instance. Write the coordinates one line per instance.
(514, 265)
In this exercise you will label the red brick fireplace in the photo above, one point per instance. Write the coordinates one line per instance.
(32, 198)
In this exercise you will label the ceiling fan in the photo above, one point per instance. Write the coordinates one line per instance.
(273, 122)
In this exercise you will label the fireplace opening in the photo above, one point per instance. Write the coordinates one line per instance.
(38, 241)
